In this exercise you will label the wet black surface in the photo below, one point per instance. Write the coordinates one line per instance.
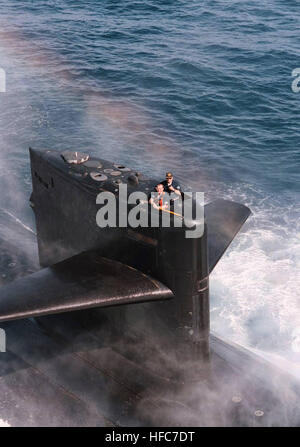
(87, 369)
(93, 377)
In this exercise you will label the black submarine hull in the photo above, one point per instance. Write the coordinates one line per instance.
(78, 370)
(144, 364)
(65, 203)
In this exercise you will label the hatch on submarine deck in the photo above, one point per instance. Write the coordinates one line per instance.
(124, 365)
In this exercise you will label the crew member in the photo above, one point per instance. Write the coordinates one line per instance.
(158, 200)
(170, 186)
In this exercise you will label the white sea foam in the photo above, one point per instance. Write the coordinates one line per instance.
(255, 287)
(4, 423)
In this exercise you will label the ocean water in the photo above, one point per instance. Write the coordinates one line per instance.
(201, 88)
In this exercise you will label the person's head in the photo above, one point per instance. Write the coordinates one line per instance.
(169, 178)
(159, 188)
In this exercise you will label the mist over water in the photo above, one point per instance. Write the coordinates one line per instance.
(199, 88)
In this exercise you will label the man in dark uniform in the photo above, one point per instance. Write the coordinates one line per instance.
(170, 186)
(167, 186)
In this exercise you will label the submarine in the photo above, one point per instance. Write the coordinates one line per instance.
(114, 328)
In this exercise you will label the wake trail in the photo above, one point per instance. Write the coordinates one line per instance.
(19, 221)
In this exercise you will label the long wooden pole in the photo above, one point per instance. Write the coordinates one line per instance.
(171, 212)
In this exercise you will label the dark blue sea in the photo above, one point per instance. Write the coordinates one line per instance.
(201, 88)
